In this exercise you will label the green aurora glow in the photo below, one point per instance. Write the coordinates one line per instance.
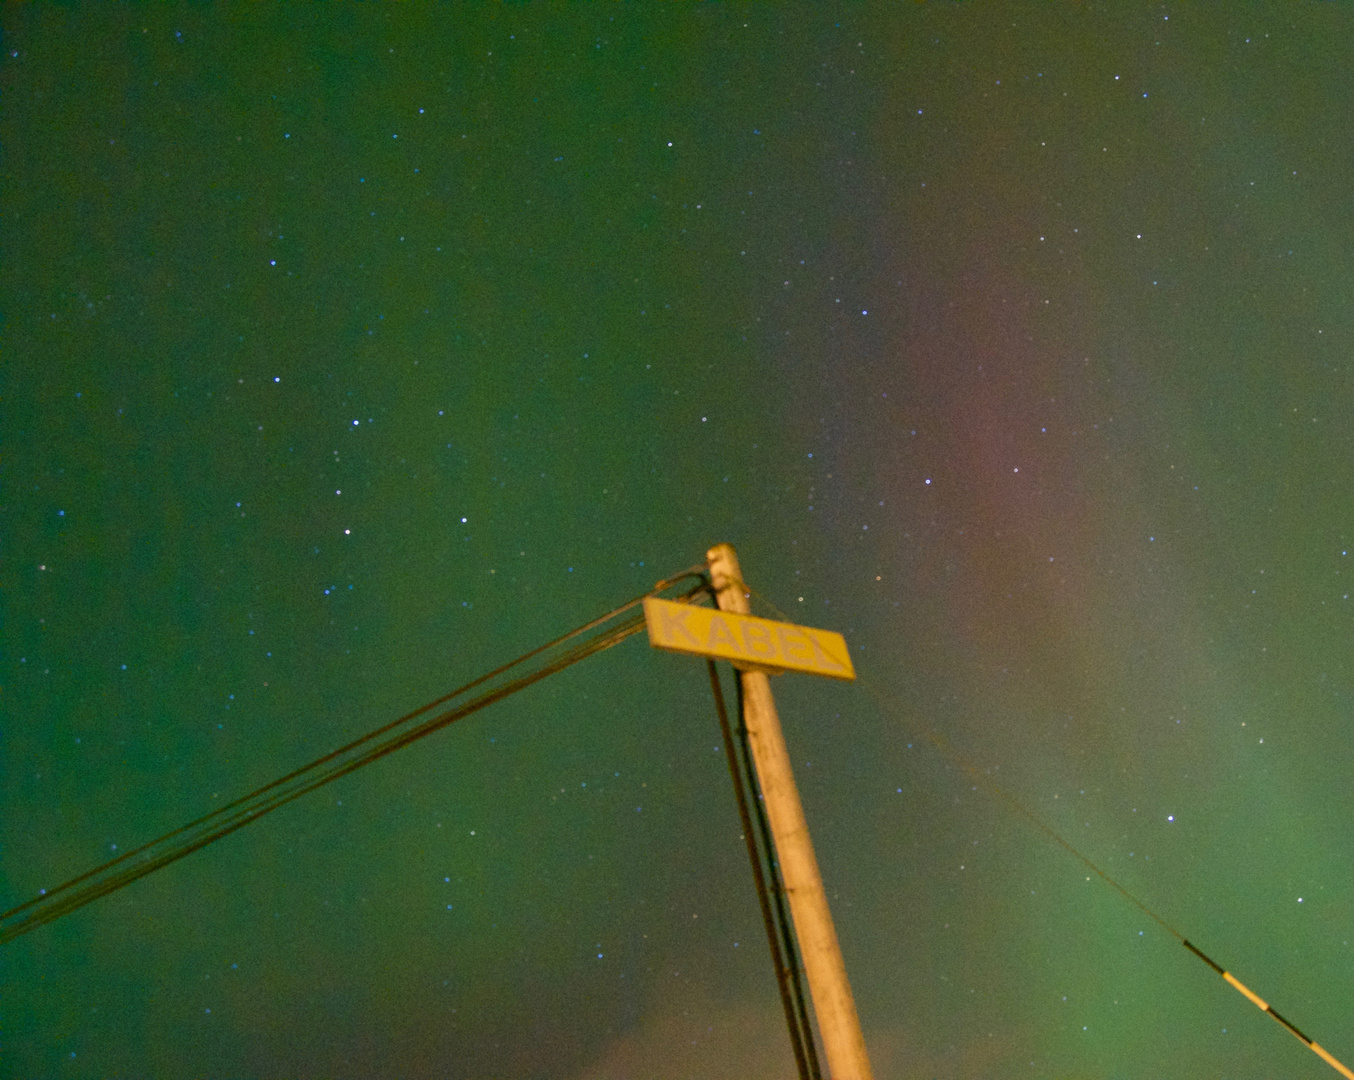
(351, 351)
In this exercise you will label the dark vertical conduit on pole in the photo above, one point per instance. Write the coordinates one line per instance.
(792, 1018)
(786, 923)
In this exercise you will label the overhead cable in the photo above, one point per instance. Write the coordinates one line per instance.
(592, 637)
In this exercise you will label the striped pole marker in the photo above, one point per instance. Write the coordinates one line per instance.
(1024, 811)
(1260, 1003)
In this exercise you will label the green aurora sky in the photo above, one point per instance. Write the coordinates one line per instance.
(351, 351)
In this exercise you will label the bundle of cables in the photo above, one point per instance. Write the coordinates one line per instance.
(601, 633)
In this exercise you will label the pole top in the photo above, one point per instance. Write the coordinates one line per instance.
(731, 592)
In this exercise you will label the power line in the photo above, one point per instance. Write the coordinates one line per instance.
(592, 637)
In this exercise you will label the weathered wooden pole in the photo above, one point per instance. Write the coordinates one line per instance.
(835, 1009)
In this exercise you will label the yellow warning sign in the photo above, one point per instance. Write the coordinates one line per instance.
(746, 639)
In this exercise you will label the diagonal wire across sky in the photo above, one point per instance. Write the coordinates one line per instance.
(531, 667)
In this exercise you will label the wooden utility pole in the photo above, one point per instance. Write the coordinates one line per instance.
(835, 1009)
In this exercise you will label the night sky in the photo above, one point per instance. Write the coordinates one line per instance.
(351, 351)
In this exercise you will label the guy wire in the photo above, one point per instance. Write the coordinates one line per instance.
(948, 750)
(944, 746)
